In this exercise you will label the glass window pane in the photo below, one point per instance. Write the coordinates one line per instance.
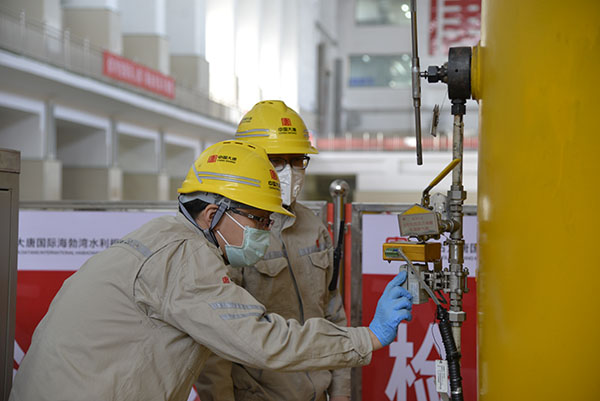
(382, 12)
(391, 71)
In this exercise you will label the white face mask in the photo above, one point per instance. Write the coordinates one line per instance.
(253, 248)
(291, 182)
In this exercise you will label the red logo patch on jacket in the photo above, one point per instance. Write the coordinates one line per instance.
(226, 280)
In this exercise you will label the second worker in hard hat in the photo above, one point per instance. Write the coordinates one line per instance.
(293, 278)
(138, 320)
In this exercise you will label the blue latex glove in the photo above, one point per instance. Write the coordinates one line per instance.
(394, 306)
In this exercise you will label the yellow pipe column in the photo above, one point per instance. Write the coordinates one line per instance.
(537, 79)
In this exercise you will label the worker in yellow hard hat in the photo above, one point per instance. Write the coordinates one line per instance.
(139, 319)
(294, 278)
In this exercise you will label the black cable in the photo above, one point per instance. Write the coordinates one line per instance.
(337, 257)
(441, 298)
(452, 354)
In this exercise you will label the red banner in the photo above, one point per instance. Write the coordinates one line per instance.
(405, 371)
(135, 74)
(453, 23)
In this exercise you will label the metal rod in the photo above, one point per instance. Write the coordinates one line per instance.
(457, 151)
(416, 79)
(339, 190)
(456, 241)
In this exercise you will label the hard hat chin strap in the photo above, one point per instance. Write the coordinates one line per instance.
(224, 205)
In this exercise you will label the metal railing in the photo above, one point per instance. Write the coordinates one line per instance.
(38, 41)
(380, 143)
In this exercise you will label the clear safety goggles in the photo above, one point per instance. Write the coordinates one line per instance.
(297, 163)
(263, 223)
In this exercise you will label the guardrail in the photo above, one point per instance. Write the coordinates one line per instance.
(391, 144)
(59, 48)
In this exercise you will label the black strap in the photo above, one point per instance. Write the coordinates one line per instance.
(337, 257)
(208, 234)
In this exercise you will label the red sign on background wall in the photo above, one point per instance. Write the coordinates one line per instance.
(405, 370)
(135, 74)
(453, 23)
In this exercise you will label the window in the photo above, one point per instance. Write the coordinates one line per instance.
(392, 71)
(382, 12)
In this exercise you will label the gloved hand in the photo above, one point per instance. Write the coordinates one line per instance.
(394, 306)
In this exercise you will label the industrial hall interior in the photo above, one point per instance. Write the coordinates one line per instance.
(343, 200)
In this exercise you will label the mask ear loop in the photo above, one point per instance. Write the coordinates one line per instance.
(223, 207)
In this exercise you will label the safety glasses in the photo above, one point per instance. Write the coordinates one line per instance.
(297, 163)
(263, 223)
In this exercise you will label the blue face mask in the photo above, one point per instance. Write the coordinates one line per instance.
(253, 246)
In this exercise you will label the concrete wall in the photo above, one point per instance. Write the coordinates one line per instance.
(22, 131)
(146, 187)
(45, 11)
(150, 50)
(41, 180)
(102, 27)
(143, 23)
(191, 71)
(92, 184)
(186, 29)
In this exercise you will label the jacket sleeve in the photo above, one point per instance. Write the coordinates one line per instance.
(340, 378)
(200, 300)
(215, 382)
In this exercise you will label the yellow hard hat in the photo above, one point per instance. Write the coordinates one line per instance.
(275, 127)
(239, 171)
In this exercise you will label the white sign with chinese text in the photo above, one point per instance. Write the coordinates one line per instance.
(378, 228)
(64, 240)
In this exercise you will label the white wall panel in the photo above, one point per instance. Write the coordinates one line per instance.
(143, 17)
(220, 49)
(186, 26)
(112, 5)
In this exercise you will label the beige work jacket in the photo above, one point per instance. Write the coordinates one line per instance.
(291, 281)
(139, 319)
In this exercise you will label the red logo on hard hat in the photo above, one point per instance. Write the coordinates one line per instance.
(274, 175)
(212, 158)
(226, 280)
(286, 122)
